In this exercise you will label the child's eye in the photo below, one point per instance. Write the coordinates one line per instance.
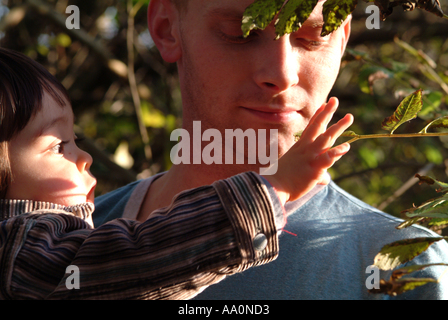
(59, 148)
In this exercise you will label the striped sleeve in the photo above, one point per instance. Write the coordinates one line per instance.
(206, 234)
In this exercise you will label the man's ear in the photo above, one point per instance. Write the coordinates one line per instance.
(346, 29)
(164, 28)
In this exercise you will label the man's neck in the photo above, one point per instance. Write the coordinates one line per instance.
(184, 177)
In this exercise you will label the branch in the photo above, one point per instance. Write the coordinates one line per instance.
(132, 11)
(357, 137)
(407, 185)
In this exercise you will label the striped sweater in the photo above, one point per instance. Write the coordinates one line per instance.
(206, 234)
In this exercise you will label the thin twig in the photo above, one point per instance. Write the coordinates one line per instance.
(407, 185)
(132, 11)
(395, 135)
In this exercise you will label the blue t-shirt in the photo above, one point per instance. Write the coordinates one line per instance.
(332, 238)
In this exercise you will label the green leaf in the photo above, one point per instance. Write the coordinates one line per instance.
(438, 123)
(399, 273)
(438, 222)
(443, 186)
(402, 251)
(399, 286)
(437, 208)
(335, 12)
(259, 15)
(431, 102)
(297, 135)
(406, 111)
(350, 134)
(293, 15)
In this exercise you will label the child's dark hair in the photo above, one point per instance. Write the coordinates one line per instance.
(23, 82)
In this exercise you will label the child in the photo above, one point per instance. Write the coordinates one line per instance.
(47, 194)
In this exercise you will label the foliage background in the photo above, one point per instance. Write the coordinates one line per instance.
(128, 133)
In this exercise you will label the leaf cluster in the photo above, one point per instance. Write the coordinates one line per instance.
(290, 15)
(408, 109)
(434, 211)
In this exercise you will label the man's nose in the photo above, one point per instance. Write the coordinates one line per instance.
(278, 66)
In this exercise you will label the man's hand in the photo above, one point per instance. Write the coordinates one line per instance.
(306, 163)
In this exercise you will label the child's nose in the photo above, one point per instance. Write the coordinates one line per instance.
(85, 160)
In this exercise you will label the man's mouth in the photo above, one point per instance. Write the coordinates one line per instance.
(274, 115)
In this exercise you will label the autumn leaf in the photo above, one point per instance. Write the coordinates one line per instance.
(441, 122)
(433, 208)
(437, 208)
(406, 111)
(402, 251)
(398, 285)
(335, 12)
(293, 15)
(443, 186)
(259, 15)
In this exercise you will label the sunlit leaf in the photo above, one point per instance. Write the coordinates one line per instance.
(438, 222)
(259, 15)
(431, 103)
(438, 123)
(293, 15)
(349, 134)
(402, 251)
(297, 135)
(409, 222)
(406, 111)
(399, 286)
(335, 12)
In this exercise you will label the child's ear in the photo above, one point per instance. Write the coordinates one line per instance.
(163, 24)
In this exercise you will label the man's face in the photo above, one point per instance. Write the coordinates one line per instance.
(231, 82)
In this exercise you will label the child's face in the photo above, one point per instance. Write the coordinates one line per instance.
(46, 163)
